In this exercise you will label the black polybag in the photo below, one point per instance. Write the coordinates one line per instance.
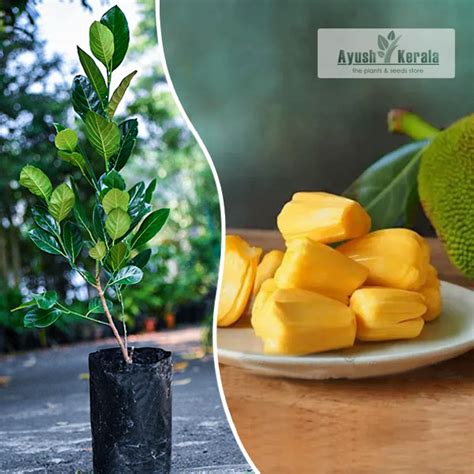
(131, 411)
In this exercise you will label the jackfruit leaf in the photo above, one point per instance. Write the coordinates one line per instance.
(98, 223)
(113, 180)
(36, 182)
(141, 259)
(114, 19)
(95, 305)
(93, 73)
(117, 223)
(128, 133)
(44, 241)
(101, 42)
(138, 208)
(84, 97)
(104, 136)
(118, 256)
(118, 94)
(61, 202)
(41, 318)
(115, 199)
(73, 241)
(79, 211)
(75, 158)
(150, 190)
(66, 140)
(382, 42)
(46, 300)
(98, 251)
(150, 227)
(385, 189)
(45, 221)
(129, 275)
(89, 277)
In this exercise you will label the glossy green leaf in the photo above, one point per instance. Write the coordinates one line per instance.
(95, 305)
(66, 140)
(117, 223)
(129, 275)
(114, 19)
(75, 158)
(98, 223)
(118, 94)
(79, 210)
(40, 318)
(150, 190)
(61, 202)
(46, 300)
(89, 277)
(128, 134)
(104, 136)
(99, 251)
(141, 259)
(45, 221)
(44, 241)
(115, 199)
(150, 227)
(26, 304)
(36, 182)
(73, 241)
(93, 74)
(101, 42)
(118, 256)
(386, 188)
(84, 97)
(114, 180)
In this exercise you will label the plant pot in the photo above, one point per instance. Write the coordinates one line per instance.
(170, 320)
(150, 324)
(131, 411)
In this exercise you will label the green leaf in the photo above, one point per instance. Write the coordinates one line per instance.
(95, 305)
(117, 223)
(94, 75)
(150, 227)
(44, 241)
(118, 94)
(72, 239)
(150, 190)
(36, 182)
(61, 202)
(386, 188)
(40, 318)
(98, 223)
(114, 180)
(98, 251)
(26, 304)
(58, 127)
(141, 259)
(75, 158)
(101, 42)
(46, 300)
(79, 210)
(89, 277)
(138, 208)
(391, 35)
(115, 20)
(128, 132)
(45, 221)
(84, 97)
(382, 42)
(115, 199)
(129, 275)
(104, 136)
(66, 140)
(118, 255)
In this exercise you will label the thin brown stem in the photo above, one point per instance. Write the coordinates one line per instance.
(99, 289)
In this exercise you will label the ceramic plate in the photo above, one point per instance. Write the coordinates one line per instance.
(449, 336)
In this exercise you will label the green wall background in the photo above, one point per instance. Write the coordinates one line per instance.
(246, 74)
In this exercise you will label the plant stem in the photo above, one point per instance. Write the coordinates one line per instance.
(127, 358)
(406, 122)
(79, 315)
(122, 315)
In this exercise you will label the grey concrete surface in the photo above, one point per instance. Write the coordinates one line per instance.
(44, 410)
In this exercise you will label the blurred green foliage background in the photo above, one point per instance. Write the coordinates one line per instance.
(183, 269)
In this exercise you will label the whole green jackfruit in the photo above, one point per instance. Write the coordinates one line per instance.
(446, 189)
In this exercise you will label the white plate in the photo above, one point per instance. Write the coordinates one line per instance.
(450, 335)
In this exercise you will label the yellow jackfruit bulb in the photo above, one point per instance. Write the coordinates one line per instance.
(299, 322)
(267, 288)
(267, 268)
(317, 267)
(396, 258)
(387, 313)
(431, 291)
(240, 268)
(446, 188)
(322, 217)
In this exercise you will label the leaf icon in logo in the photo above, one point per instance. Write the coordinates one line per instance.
(382, 42)
(380, 53)
(391, 35)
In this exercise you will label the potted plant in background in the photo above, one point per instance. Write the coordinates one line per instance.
(129, 388)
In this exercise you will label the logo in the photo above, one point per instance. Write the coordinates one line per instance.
(386, 53)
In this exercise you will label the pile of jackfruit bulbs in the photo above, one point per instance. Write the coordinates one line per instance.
(335, 283)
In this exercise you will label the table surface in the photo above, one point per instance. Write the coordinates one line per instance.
(421, 421)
